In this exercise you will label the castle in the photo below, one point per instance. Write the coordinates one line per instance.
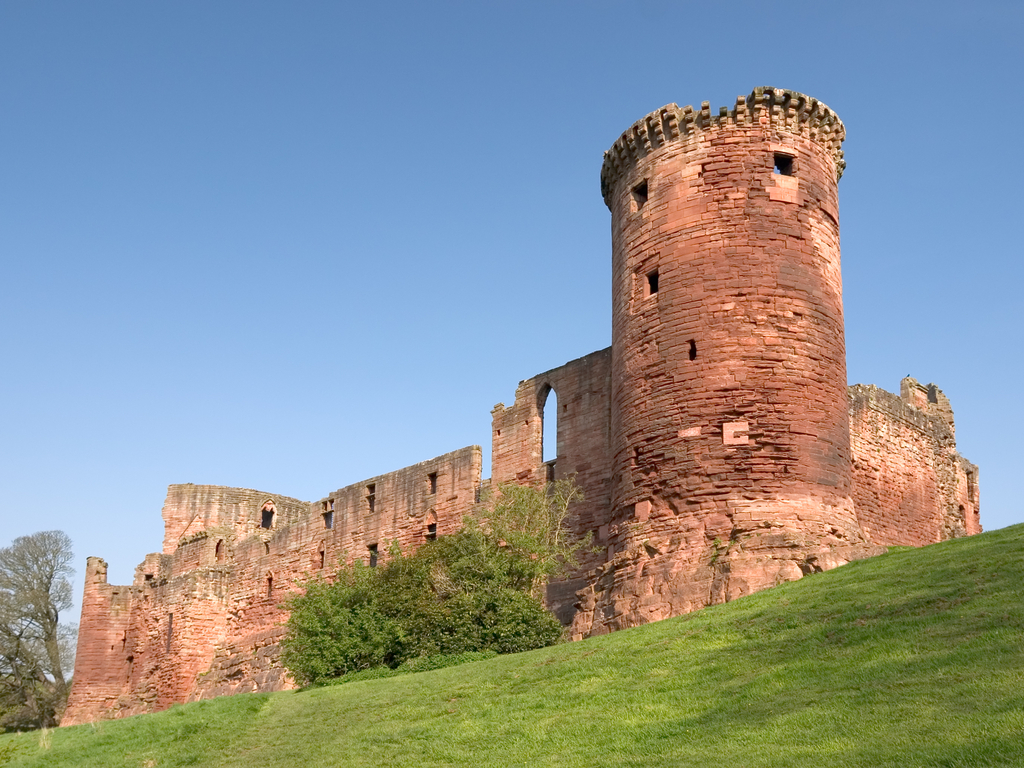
(718, 446)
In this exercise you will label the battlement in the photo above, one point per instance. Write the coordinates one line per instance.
(785, 111)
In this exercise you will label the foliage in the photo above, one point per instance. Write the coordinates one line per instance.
(475, 590)
(36, 650)
(914, 658)
(535, 526)
(336, 628)
(452, 596)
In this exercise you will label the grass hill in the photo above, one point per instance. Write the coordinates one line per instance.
(914, 658)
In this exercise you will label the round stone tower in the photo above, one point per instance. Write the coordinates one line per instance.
(730, 429)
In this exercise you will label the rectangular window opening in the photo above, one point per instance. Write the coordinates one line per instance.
(639, 193)
(652, 283)
(432, 479)
(783, 164)
(432, 532)
(373, 555)
(371, 496)
(328, 520)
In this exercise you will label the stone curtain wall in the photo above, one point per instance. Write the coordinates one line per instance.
(205, 617)
(911, 487)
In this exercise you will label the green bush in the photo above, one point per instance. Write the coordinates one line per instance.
(336, 628)
(474, 591)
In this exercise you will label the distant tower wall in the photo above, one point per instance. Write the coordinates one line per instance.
(910, 485)
(730, 433)
(102, 669)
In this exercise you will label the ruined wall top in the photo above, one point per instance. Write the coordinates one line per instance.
(784, 110)
(928, 398)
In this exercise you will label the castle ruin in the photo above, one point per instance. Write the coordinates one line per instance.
(718, 446)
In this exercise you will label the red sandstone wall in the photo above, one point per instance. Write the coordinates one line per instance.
(235, 512)
(911, 487)
(730, 432)
(583, 390)
(204, 618)
(100, 669)
(403, 508)
(747, 326)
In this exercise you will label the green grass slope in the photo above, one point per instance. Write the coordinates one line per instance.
(915, 658)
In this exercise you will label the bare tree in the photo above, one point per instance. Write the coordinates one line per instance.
(34, 589)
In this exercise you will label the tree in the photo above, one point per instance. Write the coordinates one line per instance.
(35, 648)
(535, 525)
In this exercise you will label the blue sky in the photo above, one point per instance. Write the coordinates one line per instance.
(289, 246)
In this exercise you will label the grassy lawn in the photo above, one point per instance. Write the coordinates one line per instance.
(915, 658)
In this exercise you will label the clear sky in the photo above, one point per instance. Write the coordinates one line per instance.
(289, 246)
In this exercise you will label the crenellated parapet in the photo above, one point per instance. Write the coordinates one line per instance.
(780, 109)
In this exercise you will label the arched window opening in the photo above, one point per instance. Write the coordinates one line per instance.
(218, 551)
(270, 585)
(548, 424)
(322, 555)
(267, 515)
